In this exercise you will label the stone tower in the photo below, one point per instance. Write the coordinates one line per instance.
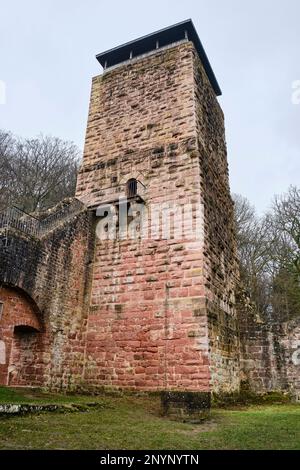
(131, 284)
(162, 308)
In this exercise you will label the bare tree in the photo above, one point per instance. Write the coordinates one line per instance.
(285, 226)
(269, 252)
(286, 229)
(6, 149)
(36, 173)
(254, 251)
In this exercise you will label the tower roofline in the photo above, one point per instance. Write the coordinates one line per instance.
(163, 37)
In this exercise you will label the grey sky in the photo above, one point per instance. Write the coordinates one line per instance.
(48, 58)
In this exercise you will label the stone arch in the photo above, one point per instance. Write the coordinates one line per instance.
(136, 175)
(21, 339)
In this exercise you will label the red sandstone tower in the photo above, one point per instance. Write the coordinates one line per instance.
(162, 309)
(148, 303)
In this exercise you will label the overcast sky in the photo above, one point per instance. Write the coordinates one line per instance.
(47, 60)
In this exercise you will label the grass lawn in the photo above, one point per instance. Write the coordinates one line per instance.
(131, 422)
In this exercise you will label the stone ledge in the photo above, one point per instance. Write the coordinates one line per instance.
(21, 409)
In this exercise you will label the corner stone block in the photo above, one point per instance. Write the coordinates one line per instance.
(191, 407)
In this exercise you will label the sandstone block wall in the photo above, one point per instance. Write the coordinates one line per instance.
(289, 342)
(44, 284)
(270, 353)
(162, 311)
(220, 257)
(19, 311)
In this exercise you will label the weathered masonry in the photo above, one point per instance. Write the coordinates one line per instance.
(162, 310)
(151, 306)
(44, 272)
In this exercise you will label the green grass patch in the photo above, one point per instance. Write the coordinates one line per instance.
(133, 422)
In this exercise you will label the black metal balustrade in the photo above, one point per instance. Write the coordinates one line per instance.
(15, 218)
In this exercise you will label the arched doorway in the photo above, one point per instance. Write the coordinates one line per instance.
(21, 339)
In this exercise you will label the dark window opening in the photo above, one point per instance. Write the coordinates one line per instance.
(1, 309)
(21, 329)
(131, 189)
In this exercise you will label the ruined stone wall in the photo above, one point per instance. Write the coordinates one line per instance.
(54, 272)
(270, 353)
(263, 368)
(289, 342)
(147, 329)
(220, 266)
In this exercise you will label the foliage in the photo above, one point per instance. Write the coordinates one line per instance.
(36, 173)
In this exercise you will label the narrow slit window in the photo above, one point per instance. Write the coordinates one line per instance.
(1, 309)
(131, 188)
